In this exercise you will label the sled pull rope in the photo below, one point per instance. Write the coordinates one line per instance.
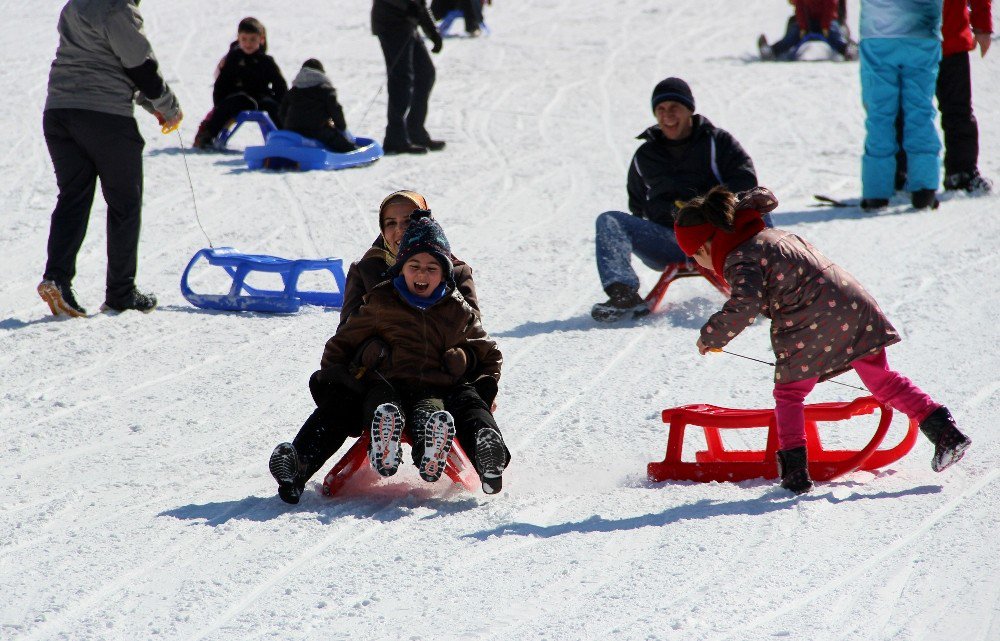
(757, 360)
(194, 200)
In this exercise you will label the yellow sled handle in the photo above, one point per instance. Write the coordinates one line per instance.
(169, 129)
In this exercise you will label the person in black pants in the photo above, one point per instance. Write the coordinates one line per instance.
(410, 73)
(103, 65)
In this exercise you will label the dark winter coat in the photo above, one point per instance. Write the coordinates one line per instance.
(665, 172)
(311, 104)
(256, 75)
(391, 16)
(959, 18)
(365, 274)
(417, 338)
(822, 319)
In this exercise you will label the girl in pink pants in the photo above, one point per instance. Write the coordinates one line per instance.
(823, 322)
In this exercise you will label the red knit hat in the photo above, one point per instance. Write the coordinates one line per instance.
(692, 238)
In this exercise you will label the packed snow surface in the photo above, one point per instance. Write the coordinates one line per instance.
(135, 501)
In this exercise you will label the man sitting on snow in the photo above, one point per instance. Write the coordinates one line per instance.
(683, 156)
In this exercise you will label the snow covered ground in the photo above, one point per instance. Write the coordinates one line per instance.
(135, 501)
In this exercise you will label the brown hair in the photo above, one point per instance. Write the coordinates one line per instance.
(253, 25)
(717, 208)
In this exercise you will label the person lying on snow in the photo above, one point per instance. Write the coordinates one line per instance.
(339, 394)
(812, 17)
(246, 79)
(311, 109)
(823, 323)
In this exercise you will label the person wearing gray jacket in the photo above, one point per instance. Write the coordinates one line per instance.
(103, 66)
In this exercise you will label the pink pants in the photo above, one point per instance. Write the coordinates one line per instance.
(887, 386)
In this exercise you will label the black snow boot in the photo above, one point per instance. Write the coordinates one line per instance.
(924, 199)
(490, 460)
(972, 182)
(794, 470)
(284, 467)
(874, 204)
(60, 298)
(949, 443)
(136, 300)
(623, 302)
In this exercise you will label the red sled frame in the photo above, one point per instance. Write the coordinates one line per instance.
(672, 272)
(458, 466)
(719, 464)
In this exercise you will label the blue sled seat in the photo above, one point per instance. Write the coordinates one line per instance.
(449, 19)
(286, 149)
(243, 297)
(267, 126)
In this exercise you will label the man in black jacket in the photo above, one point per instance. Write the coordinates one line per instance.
(410, 72)
(104, 64)
(683, 156)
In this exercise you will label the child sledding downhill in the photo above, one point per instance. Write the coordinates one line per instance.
(818, 19)
(823, 323)
(425, 353)
(247, 79)
(310, 108)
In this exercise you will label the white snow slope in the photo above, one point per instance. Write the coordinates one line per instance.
(135, 501)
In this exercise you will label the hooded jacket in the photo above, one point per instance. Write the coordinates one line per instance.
(311, 104)
(664, 173)
(257, 75)
(105, 63)
(417, 338)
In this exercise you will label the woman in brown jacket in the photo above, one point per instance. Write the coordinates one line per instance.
(823, 323)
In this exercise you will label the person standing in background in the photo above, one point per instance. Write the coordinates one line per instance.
(103, 65)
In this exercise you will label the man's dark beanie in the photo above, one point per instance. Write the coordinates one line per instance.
(673, 89)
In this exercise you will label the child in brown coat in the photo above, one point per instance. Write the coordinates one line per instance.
(823, 323)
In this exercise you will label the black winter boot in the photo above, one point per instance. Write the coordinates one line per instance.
(874, 204)
(490, 459)
(949, 443)
(139, 301)
(793, 469)
(284, 467)
(60, 298)
(924, 199)
(623, 302)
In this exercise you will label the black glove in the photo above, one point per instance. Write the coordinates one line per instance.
(372, 353)
(486, 387)
(437, 40)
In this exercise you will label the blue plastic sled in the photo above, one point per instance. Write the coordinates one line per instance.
(813, 48)
(243, 297)
(449, 20)
(288, 150)
(267, 126)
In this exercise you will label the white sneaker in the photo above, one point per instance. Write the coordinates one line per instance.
(384, 450)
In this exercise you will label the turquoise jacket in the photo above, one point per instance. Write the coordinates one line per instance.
(901, 19)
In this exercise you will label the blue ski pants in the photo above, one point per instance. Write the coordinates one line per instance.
(894, 72)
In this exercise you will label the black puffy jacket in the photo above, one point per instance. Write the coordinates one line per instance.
(256, 75)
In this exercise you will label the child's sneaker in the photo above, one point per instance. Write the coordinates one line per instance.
(491, 459)
(284, 467)
(438, 434)
(949, 443)
(793, 468)
(384, 450)
(60, 298)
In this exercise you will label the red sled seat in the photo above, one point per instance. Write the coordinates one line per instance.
(672, 272)
(458, 466)
(716, 463)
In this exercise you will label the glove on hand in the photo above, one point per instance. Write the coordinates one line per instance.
(455, 362)
(438, 42)
(372, 354)
(339, 375)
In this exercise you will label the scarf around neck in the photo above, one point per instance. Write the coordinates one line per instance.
(747, 224)
(418, 301)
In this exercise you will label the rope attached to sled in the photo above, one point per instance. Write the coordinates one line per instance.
(757, 360)
(194, 200)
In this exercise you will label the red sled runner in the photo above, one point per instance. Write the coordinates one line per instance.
(672, 272)
(719, 464)
(458, 467)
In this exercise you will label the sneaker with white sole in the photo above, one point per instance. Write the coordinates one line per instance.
(439, 431)
(491, 459)
(384, 450)
(60, 298)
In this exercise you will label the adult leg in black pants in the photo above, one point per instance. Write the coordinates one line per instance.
(424, 76)
(410, 79)
(85, 145)
(337, 416)
(961, 131)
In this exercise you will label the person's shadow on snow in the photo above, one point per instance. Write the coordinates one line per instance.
(705, 509)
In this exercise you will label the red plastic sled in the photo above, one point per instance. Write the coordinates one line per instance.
(672, 272)
(458, 467)
(719, 464)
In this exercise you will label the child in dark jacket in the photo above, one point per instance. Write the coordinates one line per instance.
(310, 108)
(248, 79)
(339, 396)
(823, 323)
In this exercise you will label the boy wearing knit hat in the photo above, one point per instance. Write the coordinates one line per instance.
(683, 155)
